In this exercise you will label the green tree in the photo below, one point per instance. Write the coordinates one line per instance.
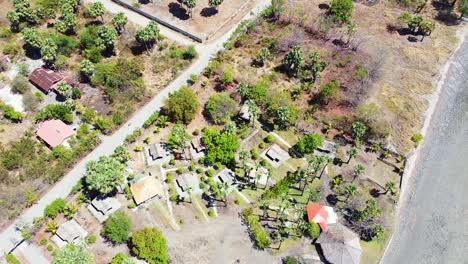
(254, 110)
(190, 4)
(329, 92)
(350, 191)
(67, 24)
(49, 51)
(70, 210)
(96, 9)
(263, 56)
(179, 139)
(221, 146)
(14, 19)
(182, 105)
(148, 35)
(358, 129)
(72, 253)
(55, 111)
(150, 245)
(316, 66)
(87, 68)
(243, 90)
(378, 232)
(32, 38)
(391, 187)
(426, 29)
(117, 227)
(294, 61)
(313, 230)
(358, 171)
(121, 258)
(463, 8)
(221, 108)
(106, 37)
(309, 143)
(55, 208)
(215, 3)
(341, 10)
(372, 210)
(64, 89)
(104, 175)
(121, 154)
(119, 21)
(352, 153)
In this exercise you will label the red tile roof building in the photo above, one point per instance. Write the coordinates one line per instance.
(45, 79)
(54, 132)
(316, 213)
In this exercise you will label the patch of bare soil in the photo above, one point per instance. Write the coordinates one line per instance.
(204, 21)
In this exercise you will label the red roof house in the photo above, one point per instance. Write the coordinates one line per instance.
(318, 213)
(54, 132)
(45, 79)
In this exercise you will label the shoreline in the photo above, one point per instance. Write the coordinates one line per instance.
(413, 156)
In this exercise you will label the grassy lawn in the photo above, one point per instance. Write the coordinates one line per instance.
(202, 211)
(289, 135)
(373, 250)
(162, 210)
(252, 195)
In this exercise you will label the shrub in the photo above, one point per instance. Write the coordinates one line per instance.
(260, 236)
(417, 138)
(150, 245)
(211, 213)
(55, 111)
(20, 84)
(309, 143)
(55, 208)
(220, 108)
(190, 53)
(210, 172)
(199, 170)
(269, 139)
(43, 242)
(121, 258)
(50, 247)
(313, 230)
(329, 92)
(182, 105)
(228, 77)
(91, 239)
(117, 227)
(151, 120)
(255, 154)
(261, 145)
(10, 258)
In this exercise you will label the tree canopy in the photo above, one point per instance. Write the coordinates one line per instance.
(221, 146)
(221, 108)
(117, 227)
(182, 105)
(72, 253)
(294, 60)
(121, 258)
(119, 21)
(96, 9)
(104, 174)
(309, 143)
(179, 139)
(341, 10)
(150, 245)
(55, 111)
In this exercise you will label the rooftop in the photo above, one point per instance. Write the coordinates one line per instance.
(54, 132)
(145, 189)
(45, 79)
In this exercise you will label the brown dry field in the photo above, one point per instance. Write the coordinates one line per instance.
(205, 22)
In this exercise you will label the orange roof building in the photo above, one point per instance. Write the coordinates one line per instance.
(45, 79)
(54, 132)
(322, 215)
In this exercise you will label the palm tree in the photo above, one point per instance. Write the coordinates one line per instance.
(390, 187)
(254, 110)
(337, 181)
(265, 206)
(52, 227)
(352, 153)
(351, 191)
(314, 196)
(358, 171)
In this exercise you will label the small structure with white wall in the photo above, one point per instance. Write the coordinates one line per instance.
(69, 232)
(275, 155)
(102, 207)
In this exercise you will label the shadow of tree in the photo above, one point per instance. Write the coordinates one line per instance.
(208, 11)
(178, 11)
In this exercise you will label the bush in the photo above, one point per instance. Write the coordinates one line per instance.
(121, 258)
(261, 145)
(269, 139)
(50, 247)
(91, 239)
(417, 138)
(182, 105)
(210, 172)
(20, 84)
(313, 230)
(199, 170)
(220, 108)
(190, 53)
(10, 258)
(55, 111)
(117, 227)
(255, 154)
(329, 92)
(150, 245)
(55, 208)
(43, 242)
(211, 213)
(309, 143)
(260, 236)
(228, 77)
(151, 120)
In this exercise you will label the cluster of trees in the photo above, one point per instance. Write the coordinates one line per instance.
(72, 253)
(182, 106)
(150, 245)
(23, 13)
(259, 235)
(107, 173)
(221, 145)
(10, 113)
(417, 25)
(221, 108)
(341, 10)
(309, 143)
(117, 228)
(191, 4)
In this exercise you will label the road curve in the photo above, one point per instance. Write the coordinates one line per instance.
(432, 226)
(10, 236)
